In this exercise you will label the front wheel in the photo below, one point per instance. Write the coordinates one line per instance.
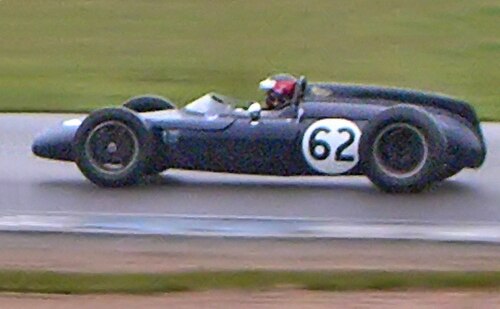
(148, 103)
(112, 147)
(402, 149)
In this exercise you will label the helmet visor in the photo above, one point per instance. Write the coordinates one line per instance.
(267, 84)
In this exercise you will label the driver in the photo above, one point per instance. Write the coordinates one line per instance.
(279, 90)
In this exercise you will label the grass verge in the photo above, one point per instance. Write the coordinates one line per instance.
(81, 55)
(80, 283)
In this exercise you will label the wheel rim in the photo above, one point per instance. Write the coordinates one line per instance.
(112, 147)
(401, 150)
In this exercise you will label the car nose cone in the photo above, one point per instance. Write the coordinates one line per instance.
(55, 144)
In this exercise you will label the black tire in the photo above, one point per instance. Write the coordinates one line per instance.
(402, 149)
(109, 138)
(148, 103)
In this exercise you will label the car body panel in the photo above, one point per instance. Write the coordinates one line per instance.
(177, 119)
(334, 92)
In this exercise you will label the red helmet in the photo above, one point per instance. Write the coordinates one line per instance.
(279, 90)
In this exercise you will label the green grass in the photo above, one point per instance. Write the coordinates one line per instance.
(77, 55)
(76, 283)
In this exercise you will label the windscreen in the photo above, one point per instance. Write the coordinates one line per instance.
(211, 104)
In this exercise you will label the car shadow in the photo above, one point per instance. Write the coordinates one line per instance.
(221, 182)
(352, 183)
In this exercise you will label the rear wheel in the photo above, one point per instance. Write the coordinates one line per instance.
(402, 149)
(113, 147)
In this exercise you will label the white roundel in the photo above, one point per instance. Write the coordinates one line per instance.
(331, 145)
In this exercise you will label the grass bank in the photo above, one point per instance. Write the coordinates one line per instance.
(76, 283)
(79, 55)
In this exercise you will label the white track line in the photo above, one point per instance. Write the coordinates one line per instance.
(249, 227)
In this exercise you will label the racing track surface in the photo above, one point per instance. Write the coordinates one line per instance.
(33, 186)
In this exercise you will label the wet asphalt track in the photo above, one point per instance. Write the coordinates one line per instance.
(29, 185)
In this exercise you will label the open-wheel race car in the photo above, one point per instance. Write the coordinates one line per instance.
(403, 140)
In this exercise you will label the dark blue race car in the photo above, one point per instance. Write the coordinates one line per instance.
(403, 140)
